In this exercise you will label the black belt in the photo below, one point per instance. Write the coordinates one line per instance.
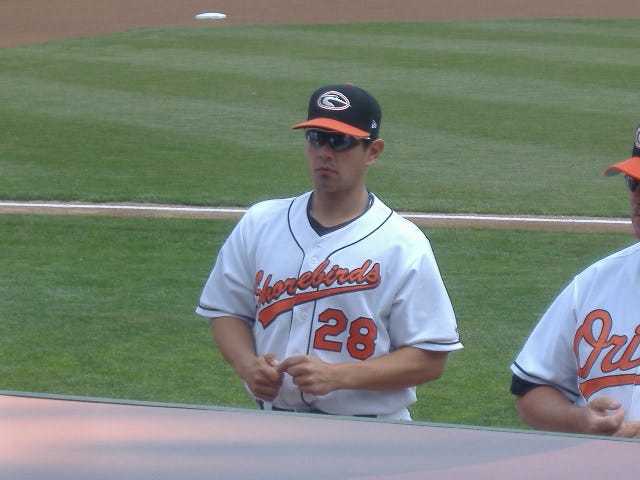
(315, 410)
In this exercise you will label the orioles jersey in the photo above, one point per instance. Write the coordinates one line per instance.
(353, 294)
(586, 343)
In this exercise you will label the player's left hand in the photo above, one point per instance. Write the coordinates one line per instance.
(310, 374)
(629, 429)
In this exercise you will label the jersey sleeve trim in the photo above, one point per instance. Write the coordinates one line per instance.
(518, 371)
(440, 346)
(214, 313)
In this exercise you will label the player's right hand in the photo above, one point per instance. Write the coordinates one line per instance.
(263, 378)
(605, 417)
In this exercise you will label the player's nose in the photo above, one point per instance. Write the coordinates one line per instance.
(326, 151)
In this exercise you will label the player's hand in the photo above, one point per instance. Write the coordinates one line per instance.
(310, 374)
(263, 377)
(629, 429)
(601, 420)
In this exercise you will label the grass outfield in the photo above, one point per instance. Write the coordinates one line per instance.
(104, 307)
(515, 116)
(491, 116)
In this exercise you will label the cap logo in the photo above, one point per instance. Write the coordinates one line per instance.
(333, 100)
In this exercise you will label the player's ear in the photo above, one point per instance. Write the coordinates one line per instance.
(375, 149)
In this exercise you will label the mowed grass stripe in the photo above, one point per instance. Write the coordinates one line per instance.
(512, 116)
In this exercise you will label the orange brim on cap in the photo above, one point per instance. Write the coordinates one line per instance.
(631, 167)
(334, 126)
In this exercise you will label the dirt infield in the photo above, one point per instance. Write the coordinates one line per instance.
(35, 21)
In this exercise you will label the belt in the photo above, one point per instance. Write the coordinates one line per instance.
(314, 410)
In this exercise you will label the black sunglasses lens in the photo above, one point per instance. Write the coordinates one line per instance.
(338, 142)
(314, 138)
(632, 183)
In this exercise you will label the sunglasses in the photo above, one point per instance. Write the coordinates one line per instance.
(339, 142)
(632, 183)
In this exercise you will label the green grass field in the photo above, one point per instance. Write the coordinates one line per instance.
(104, 307)
(490, 116)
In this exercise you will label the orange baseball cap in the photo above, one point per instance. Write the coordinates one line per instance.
(344, 108)
(630, 166)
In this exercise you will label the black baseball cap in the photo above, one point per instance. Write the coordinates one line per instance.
(344, 108)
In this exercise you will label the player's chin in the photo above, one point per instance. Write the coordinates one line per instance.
(326, 182)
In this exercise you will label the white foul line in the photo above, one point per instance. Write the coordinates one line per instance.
(444, 219)
(121, 207)
(509, 218)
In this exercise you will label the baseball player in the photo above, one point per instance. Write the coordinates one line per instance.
(330, 302)
(579, 369)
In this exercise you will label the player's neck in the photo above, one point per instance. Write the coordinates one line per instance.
(330, 209)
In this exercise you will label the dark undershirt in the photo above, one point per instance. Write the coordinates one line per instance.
(321, 229)
(519, 386)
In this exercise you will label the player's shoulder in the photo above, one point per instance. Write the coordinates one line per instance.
(392, 216)
(395, 223)
(275, 205)
(630, 253)
(267, 209)
(626, 258)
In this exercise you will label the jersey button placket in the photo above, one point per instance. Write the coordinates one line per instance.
(289, 392)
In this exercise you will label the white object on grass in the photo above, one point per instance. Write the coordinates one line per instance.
(210, 16)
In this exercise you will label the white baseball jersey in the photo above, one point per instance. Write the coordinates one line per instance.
(356, 293)
(586, 343)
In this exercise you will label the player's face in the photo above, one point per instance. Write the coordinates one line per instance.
(634, 200)
(335, 168)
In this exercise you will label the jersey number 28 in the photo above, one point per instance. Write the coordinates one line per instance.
(361, 342)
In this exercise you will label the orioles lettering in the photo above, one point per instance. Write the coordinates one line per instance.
(619, 352)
